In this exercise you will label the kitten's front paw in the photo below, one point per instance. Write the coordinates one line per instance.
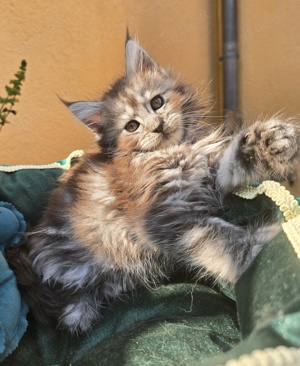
(277, 138)
(275, 147)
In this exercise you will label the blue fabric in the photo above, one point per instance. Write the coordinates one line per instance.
(13, 310)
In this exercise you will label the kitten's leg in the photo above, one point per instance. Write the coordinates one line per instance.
(267, 150)
(223, 249)
(77, 308)
(59, 281)
(199, 240)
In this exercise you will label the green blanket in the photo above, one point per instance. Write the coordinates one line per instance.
(178, 323)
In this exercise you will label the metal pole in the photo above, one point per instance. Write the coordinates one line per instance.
(230, 55)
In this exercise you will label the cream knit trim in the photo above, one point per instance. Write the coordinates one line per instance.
(287, 204)
(279, 356)
(63, 164)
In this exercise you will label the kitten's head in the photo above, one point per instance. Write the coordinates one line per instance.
(147, 109)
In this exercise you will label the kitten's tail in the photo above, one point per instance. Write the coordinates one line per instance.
(39, 297)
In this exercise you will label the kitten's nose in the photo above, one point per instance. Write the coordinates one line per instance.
(159, 128)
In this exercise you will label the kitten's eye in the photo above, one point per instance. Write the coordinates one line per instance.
(132, 126)
(157, 102)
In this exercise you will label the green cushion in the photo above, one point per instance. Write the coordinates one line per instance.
(179, 323)
(28, 189)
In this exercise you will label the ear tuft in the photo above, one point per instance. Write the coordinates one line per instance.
(128, 38)
(137, 58)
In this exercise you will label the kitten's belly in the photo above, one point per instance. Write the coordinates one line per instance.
(110, 234)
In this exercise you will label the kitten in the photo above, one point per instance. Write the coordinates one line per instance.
(148, 199)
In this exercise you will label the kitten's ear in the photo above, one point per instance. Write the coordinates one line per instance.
(136, 58)
(87, 112)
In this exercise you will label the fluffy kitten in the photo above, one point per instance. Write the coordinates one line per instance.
(150, 198)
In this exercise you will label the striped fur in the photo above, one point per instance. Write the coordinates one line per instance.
(146, 201)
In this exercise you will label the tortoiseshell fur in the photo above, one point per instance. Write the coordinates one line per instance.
(148, 199)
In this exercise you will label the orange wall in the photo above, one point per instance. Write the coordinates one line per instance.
(269, 45)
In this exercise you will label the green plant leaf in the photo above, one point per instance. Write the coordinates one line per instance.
(12, 91)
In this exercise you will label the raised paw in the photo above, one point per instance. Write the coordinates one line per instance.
(276, 137)
(274, 147)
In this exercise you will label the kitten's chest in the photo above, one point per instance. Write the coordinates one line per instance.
(139, 182)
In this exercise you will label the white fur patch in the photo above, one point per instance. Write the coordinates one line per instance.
(79, 317)
(211, 253)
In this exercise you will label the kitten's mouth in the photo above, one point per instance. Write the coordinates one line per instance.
(168, 138)
(167, 135)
